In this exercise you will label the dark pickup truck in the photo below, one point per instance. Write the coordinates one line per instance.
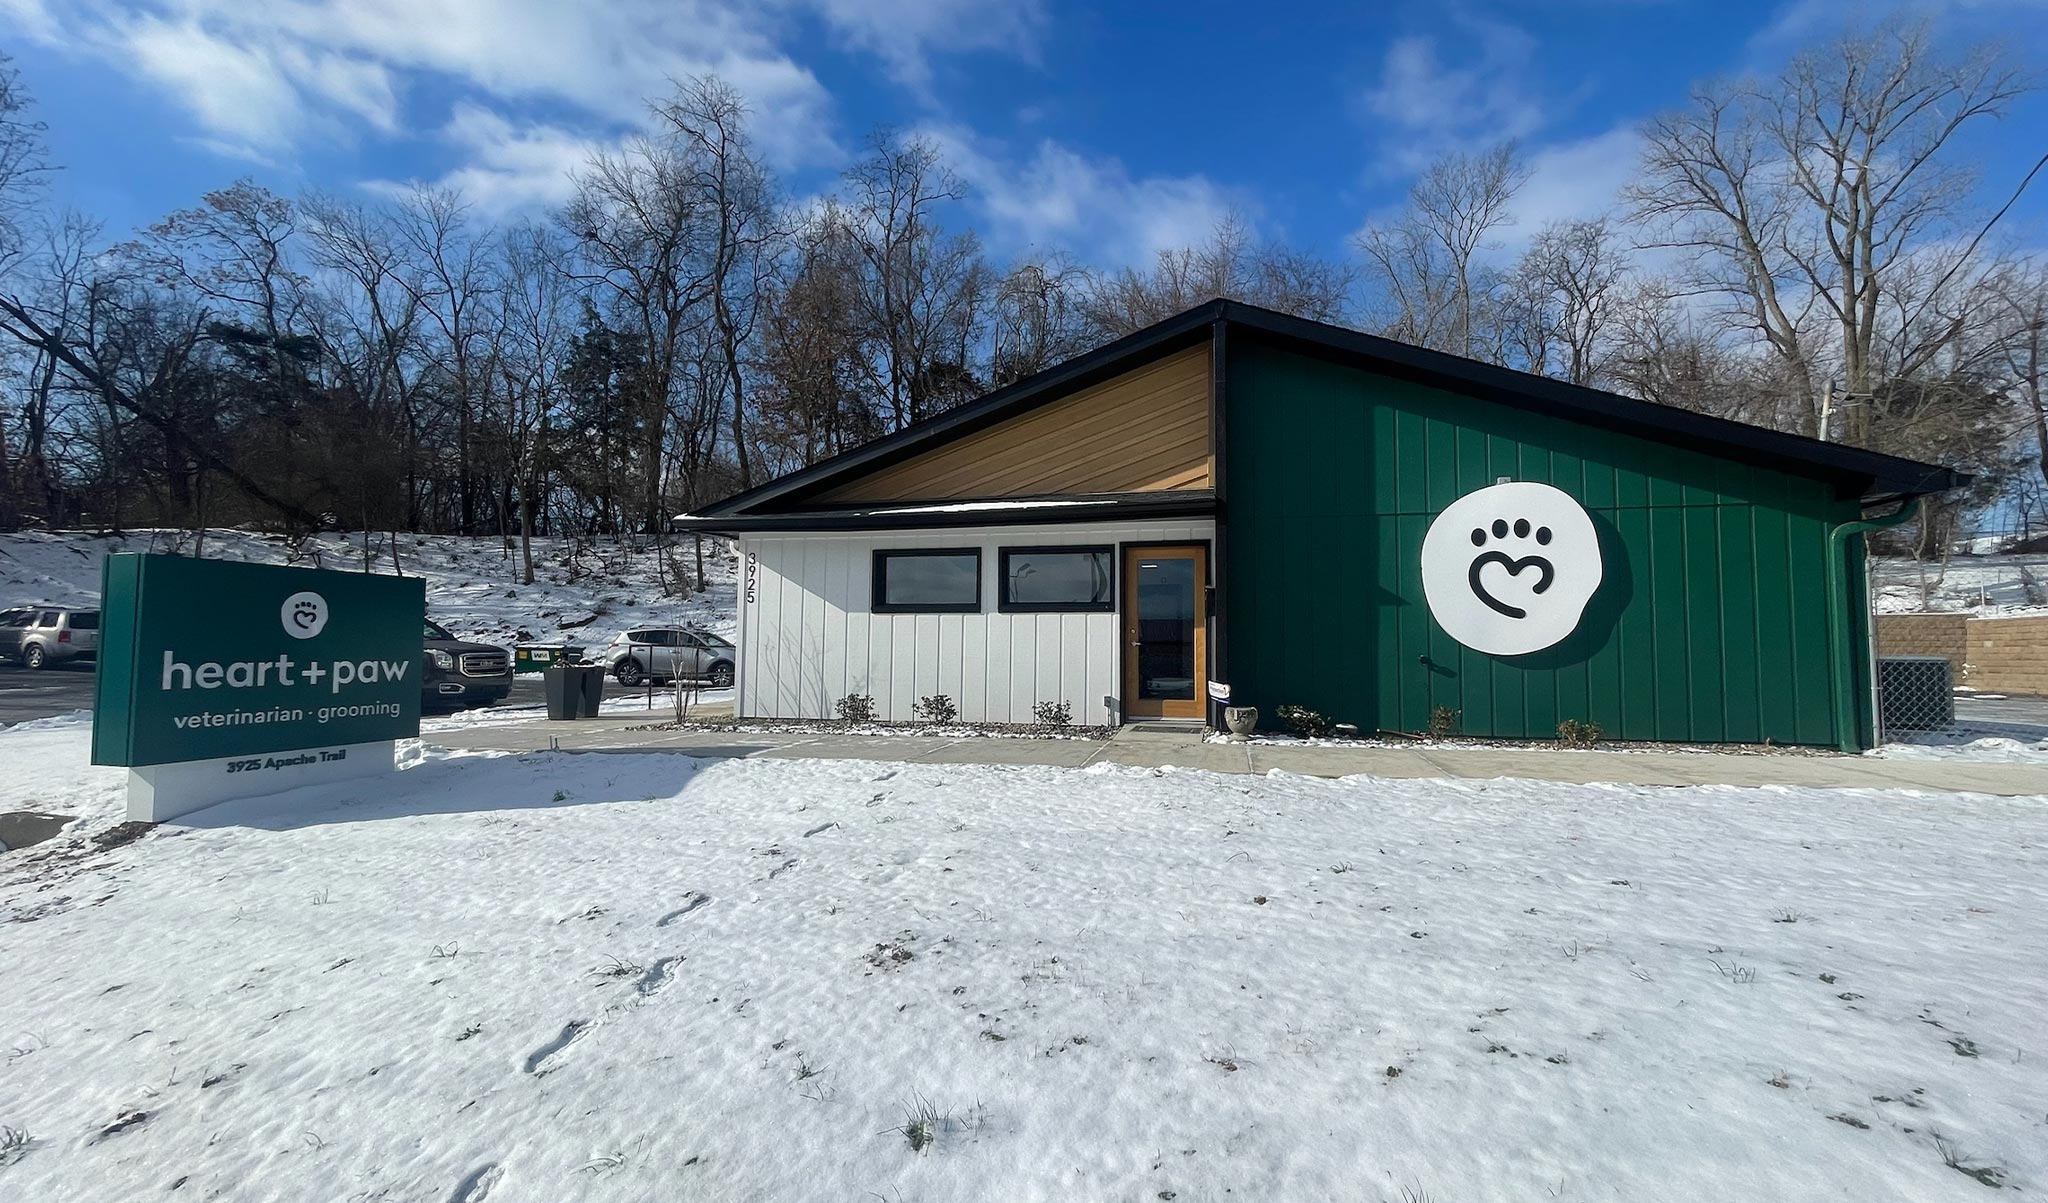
(461, 674)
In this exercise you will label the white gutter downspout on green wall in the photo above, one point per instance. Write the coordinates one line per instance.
(1847, 729)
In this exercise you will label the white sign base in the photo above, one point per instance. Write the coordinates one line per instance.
(159, 792)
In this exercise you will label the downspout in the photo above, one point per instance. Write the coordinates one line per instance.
(1847, 729)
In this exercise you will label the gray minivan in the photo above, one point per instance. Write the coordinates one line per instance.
(40, 636)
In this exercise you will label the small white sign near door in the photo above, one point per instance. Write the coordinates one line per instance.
(1508, 569)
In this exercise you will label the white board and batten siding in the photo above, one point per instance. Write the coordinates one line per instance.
(808, 636)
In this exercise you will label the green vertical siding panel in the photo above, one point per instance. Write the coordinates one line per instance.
(1411, 450)
(1416, 629)
(1779, 702)
(1388, 612)
(1807, 613)
(1637, 635)
(1741, 674)
(1711, 623)
(1706, 575)
(1382, 458)
(1670, 655)
(1596, 467)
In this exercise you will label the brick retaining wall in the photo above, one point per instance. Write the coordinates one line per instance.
(2000, 655)
(2009, 655)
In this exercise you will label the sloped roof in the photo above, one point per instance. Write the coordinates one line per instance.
(1869, 474)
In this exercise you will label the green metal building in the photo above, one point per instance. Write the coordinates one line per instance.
(1693, 579)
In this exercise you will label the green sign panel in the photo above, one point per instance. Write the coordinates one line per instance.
(201, 659)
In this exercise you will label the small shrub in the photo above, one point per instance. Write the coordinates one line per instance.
(857, 708)
(1053, 714)
(937, 708)
(1309, 724)
(1443, 722)
(1574, 734)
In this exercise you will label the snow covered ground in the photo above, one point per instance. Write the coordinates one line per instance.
(472, 583)
(560, 977)
(1986, 585)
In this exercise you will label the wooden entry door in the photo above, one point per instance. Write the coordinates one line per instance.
(1166, 631)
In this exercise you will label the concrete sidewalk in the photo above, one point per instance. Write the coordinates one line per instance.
(1154, 748)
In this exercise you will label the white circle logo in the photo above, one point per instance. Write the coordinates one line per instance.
(304, 614)
(1508, 569)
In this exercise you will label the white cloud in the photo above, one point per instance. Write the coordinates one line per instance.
(506, 168)
(1428, 100)
(905, 33)
(1057, 198)
(274, 74)
(1573, 181)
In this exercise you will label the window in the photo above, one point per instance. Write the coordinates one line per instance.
(1057, 578)
(937, 581)
(85, 620)
(433, 630)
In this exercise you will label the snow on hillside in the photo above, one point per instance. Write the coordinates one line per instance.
(529, 979)
(1994, 584)
(472, 583)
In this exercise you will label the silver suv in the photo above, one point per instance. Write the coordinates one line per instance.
(43, 635)
(670, 654)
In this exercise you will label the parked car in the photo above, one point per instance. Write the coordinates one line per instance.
(671, 654)
(461, 674)
(39, 636)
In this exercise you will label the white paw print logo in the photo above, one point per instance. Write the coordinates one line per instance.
(1509, 569)
(304, 614)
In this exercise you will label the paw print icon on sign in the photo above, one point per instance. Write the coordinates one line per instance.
(1509, 569)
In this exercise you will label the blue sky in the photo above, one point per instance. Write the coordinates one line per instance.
(1103, 130)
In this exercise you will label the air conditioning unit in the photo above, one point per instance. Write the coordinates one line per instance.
(1916, 693)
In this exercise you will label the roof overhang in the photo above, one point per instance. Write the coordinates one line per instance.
(947, 515)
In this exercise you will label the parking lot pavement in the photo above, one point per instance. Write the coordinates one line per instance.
(2012, 717)
(64, 688)
(51, 691)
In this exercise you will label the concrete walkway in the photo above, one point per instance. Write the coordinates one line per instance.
(1189, 750)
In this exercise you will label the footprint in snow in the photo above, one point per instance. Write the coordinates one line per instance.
(695, 900)
(542, 1060)
(477, 1186)
(657, 977)
(819, 828)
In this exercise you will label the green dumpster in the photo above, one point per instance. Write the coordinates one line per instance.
(533, 658)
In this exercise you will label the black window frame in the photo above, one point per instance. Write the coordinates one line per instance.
(1006, 606)
(877, 598)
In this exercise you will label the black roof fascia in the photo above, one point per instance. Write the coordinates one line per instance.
(1092, 367)
(1116, 506)
(1880, 473)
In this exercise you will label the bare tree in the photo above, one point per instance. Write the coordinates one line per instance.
(537, 328)
(2021, 296)
(639, 239)
(1230, 263)
(1796, 199)
(1426, 261)
(1563, 298)
(921, 288)
(1035, 319)
(22, 162)
(733, 190)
